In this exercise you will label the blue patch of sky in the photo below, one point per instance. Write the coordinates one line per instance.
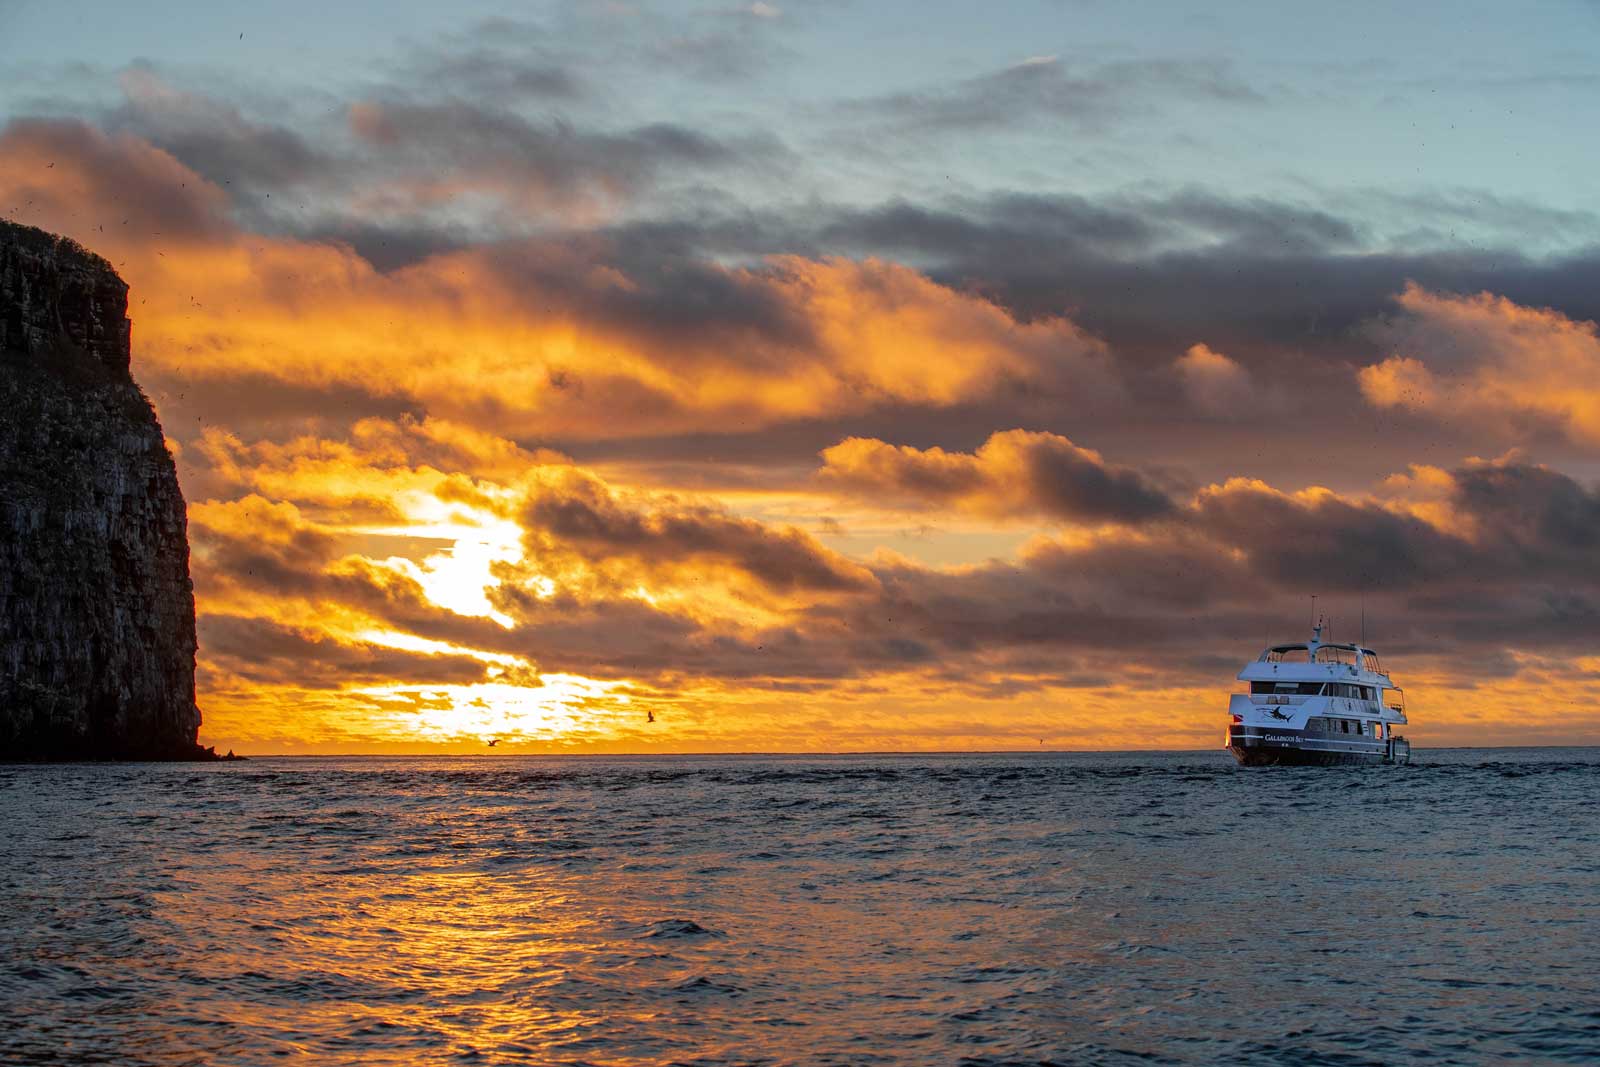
(1356, 98)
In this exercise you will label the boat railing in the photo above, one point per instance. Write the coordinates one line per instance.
(1337, 655)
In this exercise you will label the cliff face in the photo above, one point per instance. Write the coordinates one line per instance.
(97, 635)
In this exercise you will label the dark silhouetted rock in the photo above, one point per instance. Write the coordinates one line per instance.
(97, 636)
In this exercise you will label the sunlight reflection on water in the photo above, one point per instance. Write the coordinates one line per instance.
(846, 911)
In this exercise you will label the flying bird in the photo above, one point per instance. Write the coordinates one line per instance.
(493, 741)
(649, 716)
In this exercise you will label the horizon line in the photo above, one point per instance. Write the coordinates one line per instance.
(850, 752)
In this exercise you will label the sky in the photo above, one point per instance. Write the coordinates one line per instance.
(830, 376)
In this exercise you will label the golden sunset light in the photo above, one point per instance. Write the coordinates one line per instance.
(397, 469)
(799, 533)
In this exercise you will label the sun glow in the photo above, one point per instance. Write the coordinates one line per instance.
(559, 707)
(457, 578)
(412, 643)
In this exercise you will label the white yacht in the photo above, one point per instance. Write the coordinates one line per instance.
(1317, 704)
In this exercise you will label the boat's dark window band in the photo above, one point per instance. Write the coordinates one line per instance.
(1366, 728)
(1311, 689)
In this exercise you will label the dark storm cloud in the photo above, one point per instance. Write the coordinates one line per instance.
(1519, 564)
(253, 403)
(579, 514)
(467, 140)
(1014, 473)
(1185, 571)
(1539, 518)
(389, 245)
(1050, 89)
(673, 298)
(441, 149)
(268, 652)
(498, 60)
(1346, 545)
(545, 58)
(131, 186)
(254, 544)
(610, 638)
(1284, 289)
(216, 139)
(1523, 572)
(1200, 259)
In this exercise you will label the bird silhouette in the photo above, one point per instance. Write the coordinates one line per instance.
(493, 741)
(650, 716)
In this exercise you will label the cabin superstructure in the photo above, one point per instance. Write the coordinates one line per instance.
(1317, 702)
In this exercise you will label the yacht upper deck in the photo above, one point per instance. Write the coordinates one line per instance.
(1317, 660)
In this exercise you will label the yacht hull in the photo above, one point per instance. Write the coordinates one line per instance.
(1289, 756)
(1268, 747)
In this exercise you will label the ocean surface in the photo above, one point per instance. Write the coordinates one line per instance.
(1150, 908)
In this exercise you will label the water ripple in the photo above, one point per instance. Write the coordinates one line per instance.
(984, 910)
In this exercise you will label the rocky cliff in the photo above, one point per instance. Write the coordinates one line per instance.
(97, 635)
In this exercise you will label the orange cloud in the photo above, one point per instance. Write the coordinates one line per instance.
(384, 556)
(574, 515)
(1014, 474)
(1485, 357)
(554, 334)
(1215, 384)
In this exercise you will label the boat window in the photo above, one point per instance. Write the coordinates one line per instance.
(1305, 689)
(1344, 726)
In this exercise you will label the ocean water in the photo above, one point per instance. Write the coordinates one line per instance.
(975, 909)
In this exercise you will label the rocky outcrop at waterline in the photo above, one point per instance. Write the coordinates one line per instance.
(97, 634)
